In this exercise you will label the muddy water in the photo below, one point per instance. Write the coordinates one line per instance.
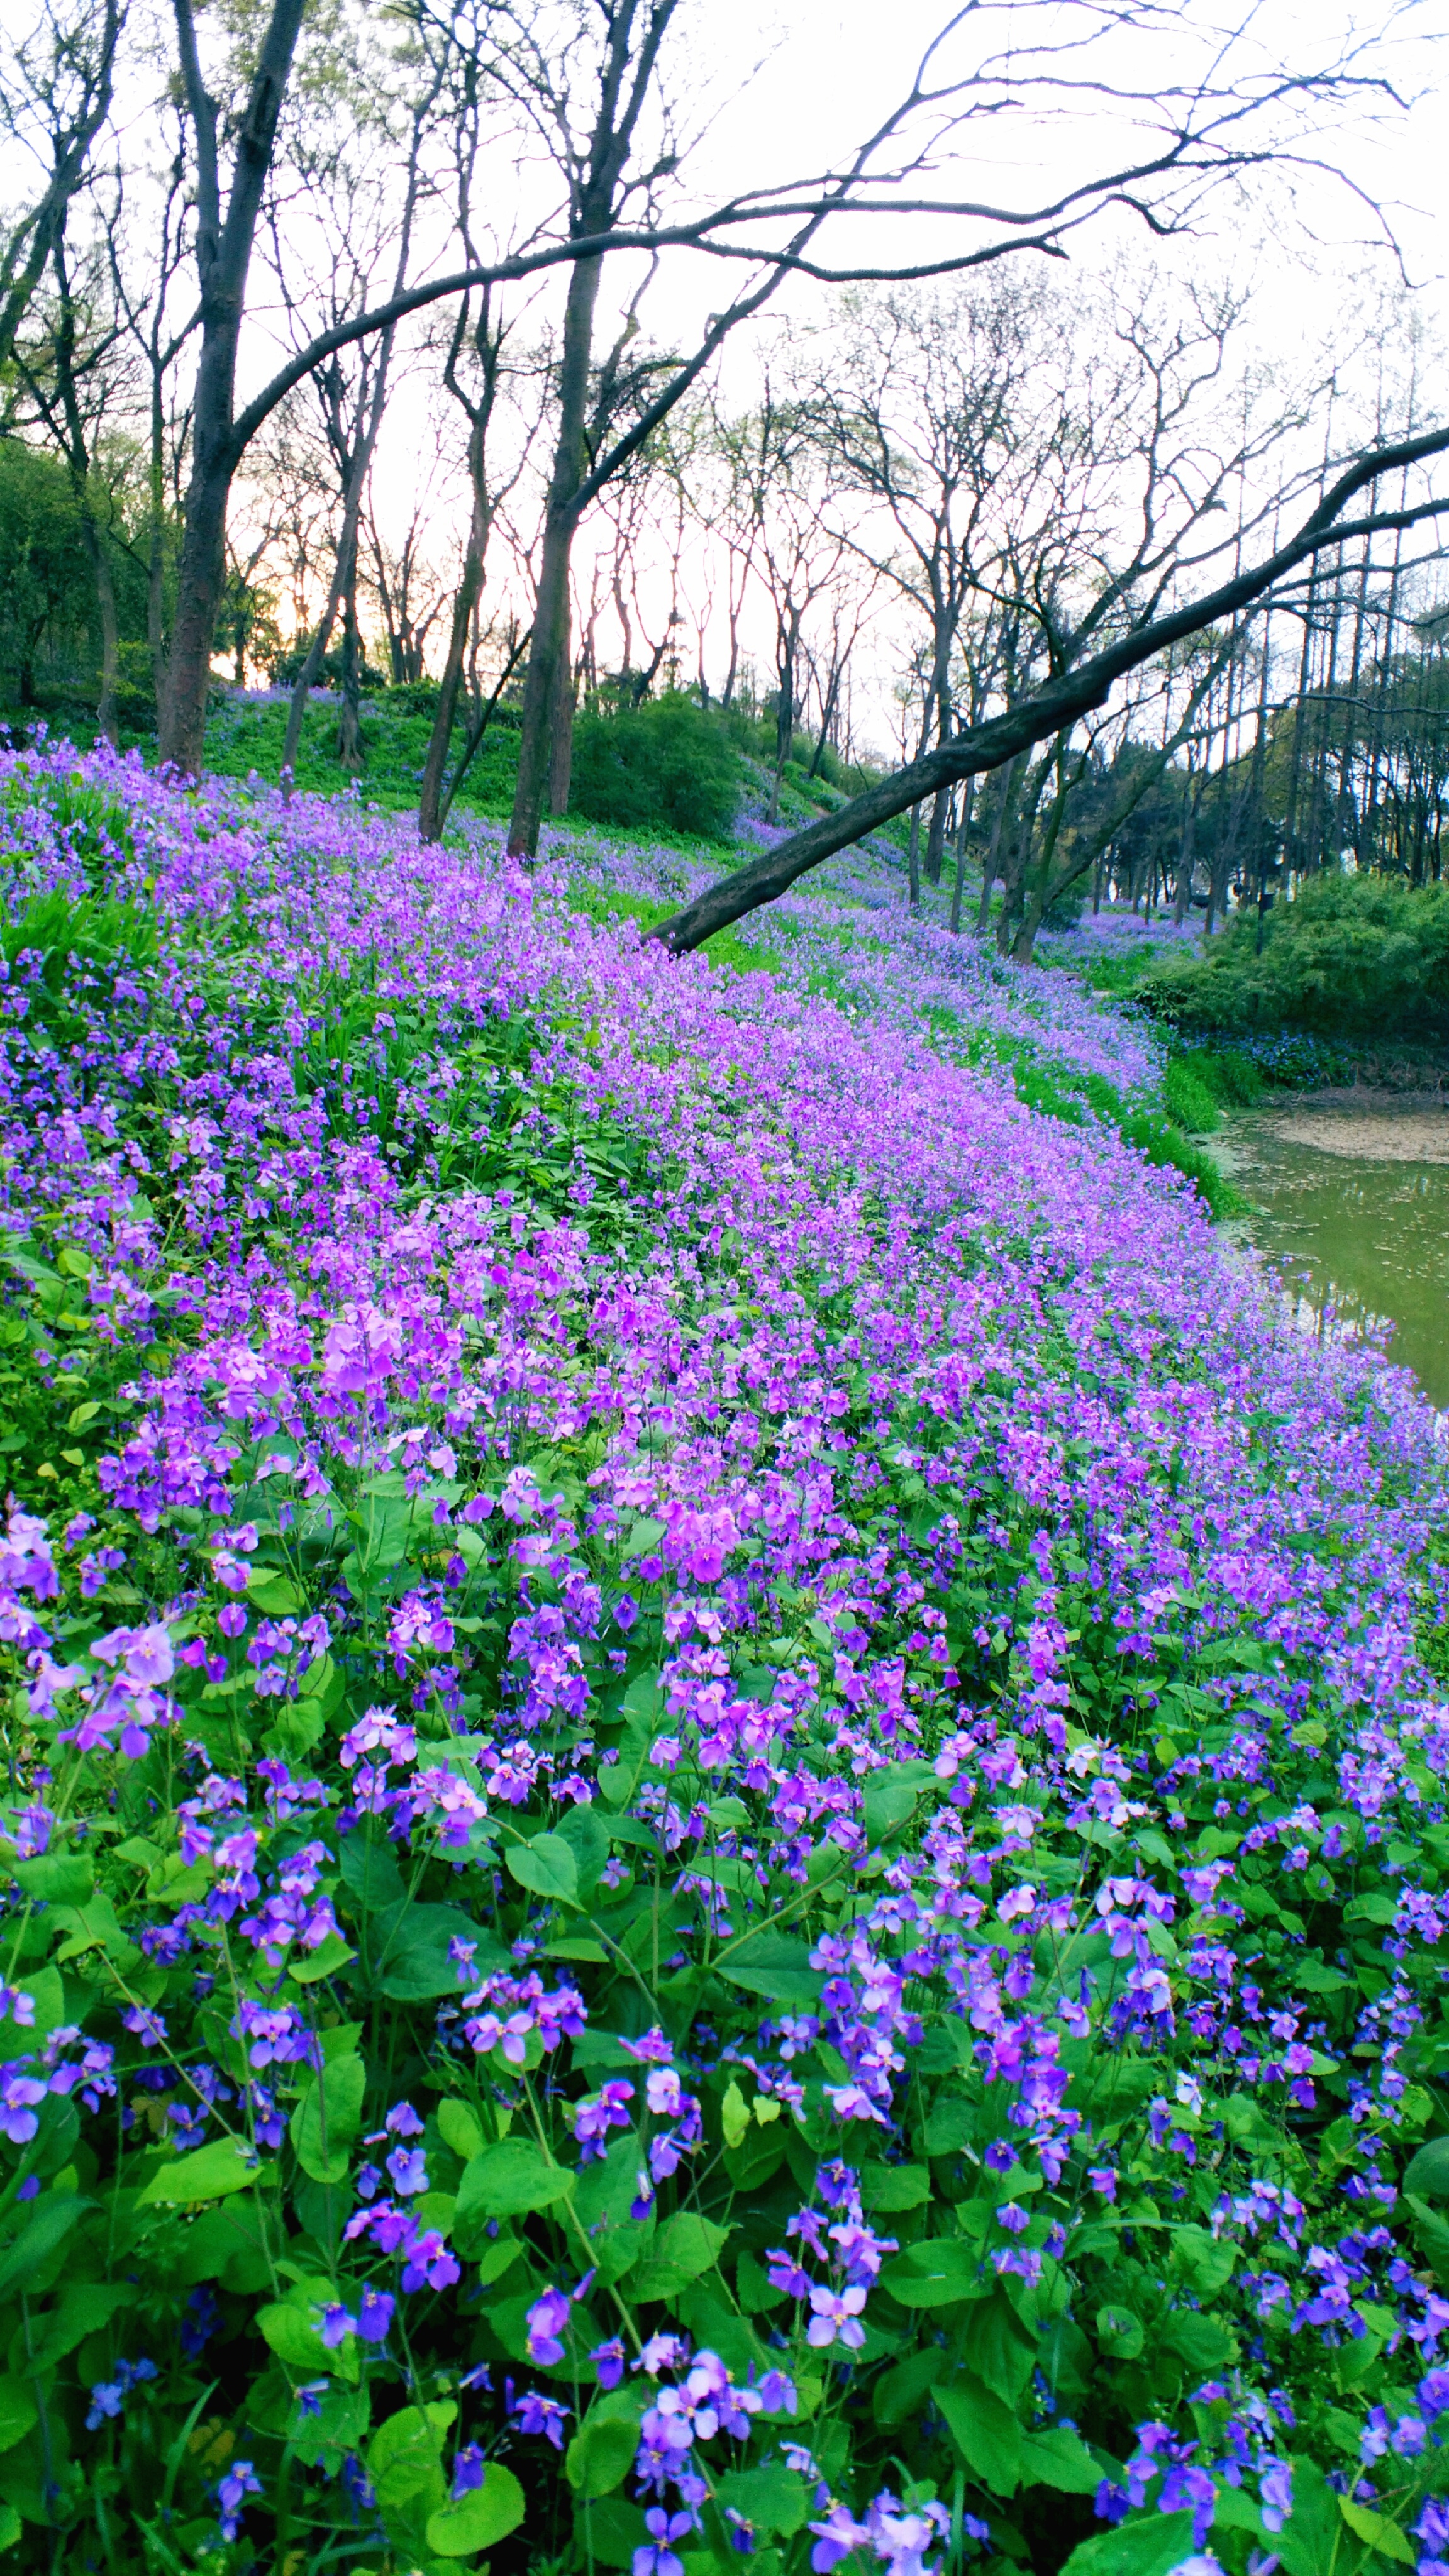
(1351, 1206)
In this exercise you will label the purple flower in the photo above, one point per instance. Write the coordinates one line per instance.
(429, 2264)
(231, 2492)
(595, 2117)
(539, 2414)
(18, 2096)
(408, 2167)
(547, 2319)
(657, 2557)
(469, 2469)
(374, 2315)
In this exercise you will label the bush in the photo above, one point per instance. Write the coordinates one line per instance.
(1352, 955)
(668, 762)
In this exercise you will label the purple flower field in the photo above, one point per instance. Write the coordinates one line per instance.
(725, 1826)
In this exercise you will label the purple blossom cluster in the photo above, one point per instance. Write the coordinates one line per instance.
(795, 1645)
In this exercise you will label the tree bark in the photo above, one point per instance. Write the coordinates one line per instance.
(561, 730)
(936, 835)
(223, 253)
(551, 612)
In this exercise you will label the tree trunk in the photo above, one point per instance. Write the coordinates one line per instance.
(962, 832)
(936, 836)
(988, 872)
(349, 715)
(561, 732)
(913, 858)
(551, 614)
(430, 800)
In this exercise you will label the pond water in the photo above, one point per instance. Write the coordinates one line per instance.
(1351, 1207)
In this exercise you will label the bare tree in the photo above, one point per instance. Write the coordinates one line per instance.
(1074, 691)
(1182, 138)
(56, 84)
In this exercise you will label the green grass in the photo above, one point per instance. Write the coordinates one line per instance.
(243, 739)
(604, 904)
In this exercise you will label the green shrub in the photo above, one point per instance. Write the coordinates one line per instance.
(1352, 955)
(667, 762)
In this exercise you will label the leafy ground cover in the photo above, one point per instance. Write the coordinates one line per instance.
(724, 1825)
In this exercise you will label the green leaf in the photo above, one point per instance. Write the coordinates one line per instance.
(1058, 2458)
(1120, 2333)
(370, 1871)
(227, 2243)
(1378, 2531)
(684, 2247)
(506, 2181)
(328, 1960)
(459, 2129)
(295, 2339)
(587, 1835)
(769, 1963)
(47, 1993)
(50, 2226)
(1150, 2545)
(892, 1797)
(610, 2531)
(57, 1878)
(885, 2189)
(326, 2121)
(404, 2456)
(274, 1595)
(602, 2451)
(546, 1867)
(474, 2521)
(948, 2126)
(332, 2424)
(935, 2272)
(10, 2526)
(209, 2173)
(18, 2412)
(985, 2431)
(82, 2309)
(774, 2500)
(602, 2201)
(998, 2347)
(1428, 2171)
(411, 1950)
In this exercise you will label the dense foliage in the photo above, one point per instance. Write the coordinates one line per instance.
(1351, 956)
(724, 1827)
(668, 761)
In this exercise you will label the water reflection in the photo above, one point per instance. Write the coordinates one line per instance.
(1359, 1242)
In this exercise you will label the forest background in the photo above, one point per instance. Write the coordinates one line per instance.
(849, 451)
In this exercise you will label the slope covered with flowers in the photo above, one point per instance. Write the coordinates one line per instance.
(724, 1826)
